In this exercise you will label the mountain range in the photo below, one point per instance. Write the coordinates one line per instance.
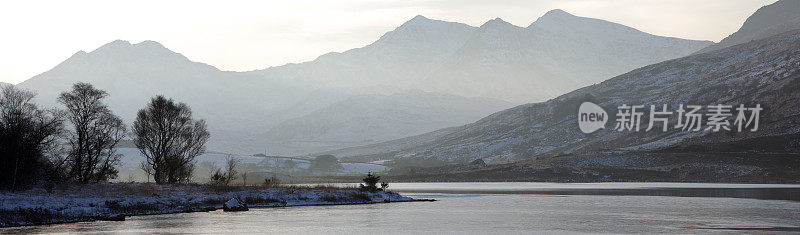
(557, 53)
(765, 72)
(542, 141)
(453, 64)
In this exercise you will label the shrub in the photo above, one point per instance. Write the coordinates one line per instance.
(272, 182)
(219, 178)
(325, 163)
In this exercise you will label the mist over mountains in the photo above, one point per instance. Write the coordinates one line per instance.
(366, 118)
(765, 72)
(423, 71)
(545, 141)
(557, 53)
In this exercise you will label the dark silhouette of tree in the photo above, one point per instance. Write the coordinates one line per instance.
(231, 173)
(95, 131)
(170, 139)
(371, 183)
(28, 139)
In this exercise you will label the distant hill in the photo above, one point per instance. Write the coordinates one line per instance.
(779, 17)
(133, 73)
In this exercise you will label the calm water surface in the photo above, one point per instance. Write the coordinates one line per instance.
(487, 212)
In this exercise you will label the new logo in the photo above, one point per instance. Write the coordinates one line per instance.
(591, 117)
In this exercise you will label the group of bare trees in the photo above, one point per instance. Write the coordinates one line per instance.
(27, 135)
(35, 144)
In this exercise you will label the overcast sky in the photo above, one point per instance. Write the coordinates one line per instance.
(245, 35)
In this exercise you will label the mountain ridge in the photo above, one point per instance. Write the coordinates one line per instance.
(780, 16)
(406, 58)
(580, 51)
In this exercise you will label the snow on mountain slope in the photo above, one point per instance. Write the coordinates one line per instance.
(765, 71)
(557, 53)
(779, 17)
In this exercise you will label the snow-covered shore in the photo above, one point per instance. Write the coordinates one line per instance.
(113, 201)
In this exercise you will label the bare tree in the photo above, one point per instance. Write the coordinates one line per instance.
(170, 139)
(219, 177)
(148, 170)
(28, 138)
(95, 131)
(231, 173)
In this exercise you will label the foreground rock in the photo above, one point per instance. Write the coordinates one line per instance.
(234, 205)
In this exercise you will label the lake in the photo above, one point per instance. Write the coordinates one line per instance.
(501, 208)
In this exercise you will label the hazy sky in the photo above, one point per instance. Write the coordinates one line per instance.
(245, 35)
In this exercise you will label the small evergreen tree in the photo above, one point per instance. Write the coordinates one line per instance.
(371, 182)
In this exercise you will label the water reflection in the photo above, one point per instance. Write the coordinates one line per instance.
(489, 212)
(756, 191)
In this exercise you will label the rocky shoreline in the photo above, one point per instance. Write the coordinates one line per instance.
(115, 201)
